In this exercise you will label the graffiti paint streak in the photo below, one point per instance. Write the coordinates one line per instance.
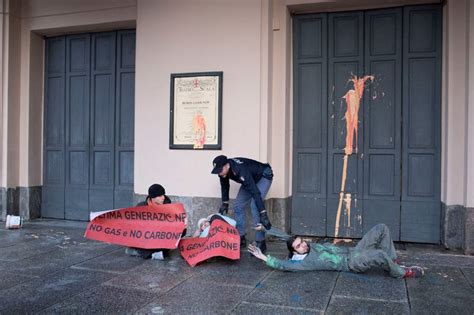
(199, 127)
(347, 203)
(352, 99)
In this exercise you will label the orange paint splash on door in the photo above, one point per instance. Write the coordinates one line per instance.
(352, 99)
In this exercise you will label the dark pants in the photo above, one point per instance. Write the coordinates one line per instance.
(376, 250)
(146, 253)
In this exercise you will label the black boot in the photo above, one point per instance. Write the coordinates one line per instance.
(265, 220)
(262, 245)
(243, 241)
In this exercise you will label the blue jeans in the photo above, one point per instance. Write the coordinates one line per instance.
(241, 201)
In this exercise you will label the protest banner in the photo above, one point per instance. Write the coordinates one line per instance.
(152, 226)
(222, 240)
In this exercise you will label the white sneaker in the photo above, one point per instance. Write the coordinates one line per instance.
(158, 256)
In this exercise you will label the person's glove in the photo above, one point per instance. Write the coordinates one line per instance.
(224, 208)
(265, 220)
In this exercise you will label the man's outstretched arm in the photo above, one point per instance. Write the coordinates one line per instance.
(280, 264)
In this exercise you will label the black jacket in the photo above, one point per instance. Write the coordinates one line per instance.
(246, 172)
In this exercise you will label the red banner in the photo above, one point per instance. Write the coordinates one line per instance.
(223, 240)
(155, 226)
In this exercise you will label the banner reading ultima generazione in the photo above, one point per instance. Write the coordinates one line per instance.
(155, 226)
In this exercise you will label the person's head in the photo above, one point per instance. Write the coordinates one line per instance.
(296, 245)
(220, 165)
(156, 193)
(203, 223)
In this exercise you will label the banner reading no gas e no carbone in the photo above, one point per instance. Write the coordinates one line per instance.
(153, 226)
(222, 240)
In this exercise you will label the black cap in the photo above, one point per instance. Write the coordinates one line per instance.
(218, 163)
(156, 190)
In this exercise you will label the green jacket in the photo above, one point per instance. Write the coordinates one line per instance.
(320, 257)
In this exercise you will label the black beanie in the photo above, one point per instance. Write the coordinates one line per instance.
(156, 190)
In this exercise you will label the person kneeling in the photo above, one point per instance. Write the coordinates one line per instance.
(156, 196)
(374, 250)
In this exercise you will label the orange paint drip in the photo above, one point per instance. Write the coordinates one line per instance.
(347, 203)
(352, 99)
(199, 127)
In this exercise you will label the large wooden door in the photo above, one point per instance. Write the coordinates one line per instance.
(393, 176)
(89, 124)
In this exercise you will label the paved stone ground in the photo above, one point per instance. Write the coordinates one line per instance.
(48, 267)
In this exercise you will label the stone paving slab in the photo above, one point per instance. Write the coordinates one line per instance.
(65, 235)
(348, 305)
(13, 237)
(27, 242)
(32, 228)
(41, 223)
(40, 293)
(153, 276)
(310, 290)
(435, 259)
(9, 278)
(442, 290)
(115, 262)
(469, 274)
(48, 266)
(246, 271)
(28, 249)
(374, 285)
(103, 300)
(255, 308)
(196, 297)
(57, 259)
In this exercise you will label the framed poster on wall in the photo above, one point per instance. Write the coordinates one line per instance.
(196, 111)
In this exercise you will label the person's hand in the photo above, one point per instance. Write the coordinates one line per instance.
(264, 220)
(254, 250)
(224, 208)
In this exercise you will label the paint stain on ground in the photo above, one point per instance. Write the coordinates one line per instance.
(157, 310)
(259, 285)
(359, 277)
(296, 298)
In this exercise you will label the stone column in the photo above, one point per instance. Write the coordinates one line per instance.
(458, 129)
(9, 103)
(469, 226)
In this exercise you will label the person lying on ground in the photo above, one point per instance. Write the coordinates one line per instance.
(156, 196)
(205, 223)
(374, 250)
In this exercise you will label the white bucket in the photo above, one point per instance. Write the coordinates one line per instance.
(13, 222)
